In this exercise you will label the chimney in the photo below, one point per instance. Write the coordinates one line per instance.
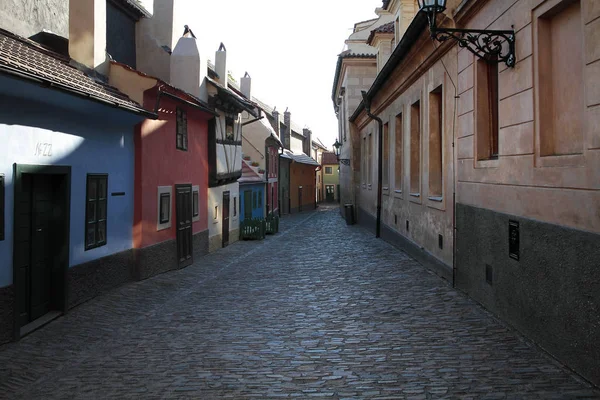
(287, 135)
(246, 87)
(307, 144)
(156, 37)
(276, 122)
(221, 64)
(188, 68)
(87, 33)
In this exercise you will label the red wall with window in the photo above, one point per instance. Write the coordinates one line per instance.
(158, 162)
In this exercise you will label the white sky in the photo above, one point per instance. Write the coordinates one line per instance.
(289, 48)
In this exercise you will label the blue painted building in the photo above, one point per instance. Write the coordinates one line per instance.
(252, 192)
(66, 185)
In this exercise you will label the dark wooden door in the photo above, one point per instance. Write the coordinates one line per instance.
(225, 219)
(329, 196)
(183, 209)
(300, 198)
(34, 246)
(247, 204)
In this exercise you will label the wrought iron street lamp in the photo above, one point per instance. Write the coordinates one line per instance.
(492, 45)
(336, 150)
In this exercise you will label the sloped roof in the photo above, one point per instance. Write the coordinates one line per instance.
(135, 7)
(249, 175)
(271, 131)
(241, 101)
(329, 158)
(300, 158)
(385, 28)
(25, 58)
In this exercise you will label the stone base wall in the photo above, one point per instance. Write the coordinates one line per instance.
(200, 244)
(7, 305)
(86, 281)
(215, 243)
(162, 257)
(413, 249)
(305, 207)
(551, 293)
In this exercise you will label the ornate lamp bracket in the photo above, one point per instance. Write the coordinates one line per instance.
(486, 44)
(345, 161)
(491, 45)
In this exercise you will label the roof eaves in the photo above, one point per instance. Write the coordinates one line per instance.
(416, 27)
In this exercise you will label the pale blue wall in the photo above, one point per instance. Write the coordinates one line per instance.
(89, 137)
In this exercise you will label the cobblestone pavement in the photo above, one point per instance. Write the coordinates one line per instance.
(319, 310)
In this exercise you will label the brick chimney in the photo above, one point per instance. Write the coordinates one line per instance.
(87, 33)
(307, 143)
(287, 135)
(246, 87)
(276, 122)
(188, 68)
(221, 65)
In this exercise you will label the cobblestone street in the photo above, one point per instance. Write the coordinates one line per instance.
(319, 310)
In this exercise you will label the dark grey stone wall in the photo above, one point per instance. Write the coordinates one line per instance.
(7, 299)
(200, 243)
(411, 248)
(162, 257)
(28, 17)
(120, 35)
(551, 294)
(156, 259)
(86, 281)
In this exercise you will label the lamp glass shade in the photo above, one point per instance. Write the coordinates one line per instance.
(336, 148)
(436, 6)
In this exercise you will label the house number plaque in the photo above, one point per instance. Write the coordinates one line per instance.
(43, 149)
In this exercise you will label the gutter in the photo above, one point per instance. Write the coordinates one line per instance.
(47, 83)
(408, 39)
(379, 162)
(179, 99)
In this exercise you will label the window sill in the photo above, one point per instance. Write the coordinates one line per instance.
(415, 194)
(438, 199)
(563, 160)
(163, 227)
(491, 163)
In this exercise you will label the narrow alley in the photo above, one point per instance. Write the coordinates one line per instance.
(334, 313)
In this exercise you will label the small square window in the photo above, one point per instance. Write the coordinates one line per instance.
(328, 171)
(181, 133)
(216, 213)
(165, 208)
(195, 204)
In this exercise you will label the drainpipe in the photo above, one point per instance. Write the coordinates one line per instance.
(367, 103)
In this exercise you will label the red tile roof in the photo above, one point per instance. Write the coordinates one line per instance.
(385, 28)
(329, 158)
(27, 58)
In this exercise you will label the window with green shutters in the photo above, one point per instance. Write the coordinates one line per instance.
(96, 210)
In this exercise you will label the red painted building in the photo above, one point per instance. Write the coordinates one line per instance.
(170, 226)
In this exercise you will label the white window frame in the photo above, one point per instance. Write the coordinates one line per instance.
(196, 189)
(163, 190)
